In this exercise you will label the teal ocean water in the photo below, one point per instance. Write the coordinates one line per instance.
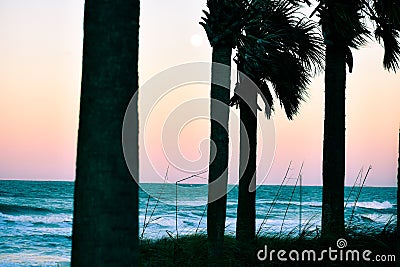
(36, 217)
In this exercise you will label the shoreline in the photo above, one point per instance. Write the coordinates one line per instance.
(191, 250)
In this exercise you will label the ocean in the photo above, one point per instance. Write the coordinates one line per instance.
(36, 217)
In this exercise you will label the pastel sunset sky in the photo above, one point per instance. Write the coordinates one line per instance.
(40, 72)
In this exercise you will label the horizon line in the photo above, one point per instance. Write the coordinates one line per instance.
(73, 181)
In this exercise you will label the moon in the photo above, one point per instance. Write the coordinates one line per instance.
(196, 40)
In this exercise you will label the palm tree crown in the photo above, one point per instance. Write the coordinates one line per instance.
(223, 21)
(279, 50)
(344, 22)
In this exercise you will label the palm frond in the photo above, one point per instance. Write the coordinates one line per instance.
(289, 79)
(390, 38)
(267, 97)
(224, 20)
(280, 49)
(386, 17)
(307, 44)
(343, 23)
(387, 10)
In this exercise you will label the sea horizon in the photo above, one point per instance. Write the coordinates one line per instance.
(184, 182)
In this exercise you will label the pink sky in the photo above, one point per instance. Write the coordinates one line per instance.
(40, 70)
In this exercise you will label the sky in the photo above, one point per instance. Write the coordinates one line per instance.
(40, 72)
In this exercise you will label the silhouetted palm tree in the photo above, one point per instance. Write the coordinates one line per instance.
(278, 51)
(222, 24)
(344, 27)
(105, 224)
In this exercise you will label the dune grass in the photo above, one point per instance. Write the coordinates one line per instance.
(191, 250)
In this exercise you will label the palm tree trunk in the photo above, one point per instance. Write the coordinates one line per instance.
(105, 226)
(334, 144)
(218, 169)
(246, 210)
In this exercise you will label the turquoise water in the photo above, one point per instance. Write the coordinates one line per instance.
(36, 217)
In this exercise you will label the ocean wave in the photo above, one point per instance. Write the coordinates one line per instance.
(198, 213)
(35, 234)
(366, 218)
(377, 218)
(367, 204)
(191, 203)
(375, 205)
(34, 219)
(22, 209)
(295, 203)
(32, 259)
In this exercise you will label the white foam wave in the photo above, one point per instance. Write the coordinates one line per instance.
(49, 219)
(375, 205)
(378, 218)
(296, 203)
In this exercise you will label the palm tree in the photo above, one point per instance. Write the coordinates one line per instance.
(344, 26)
(105, 226)
(277, 50)
(222, 25)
